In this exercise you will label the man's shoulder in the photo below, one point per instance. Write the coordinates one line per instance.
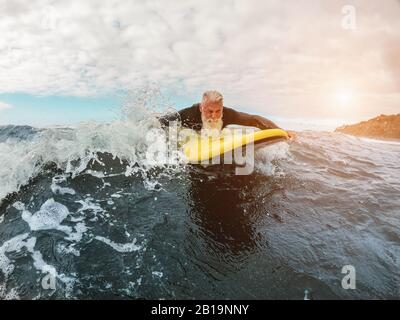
(230, 113)
(229, 110)
(194, 107)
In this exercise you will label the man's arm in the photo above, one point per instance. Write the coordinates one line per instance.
(189, 117)
(245, 119)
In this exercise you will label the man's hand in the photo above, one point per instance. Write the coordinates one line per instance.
(292, 135)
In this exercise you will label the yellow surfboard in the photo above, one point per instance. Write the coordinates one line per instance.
(201, 148)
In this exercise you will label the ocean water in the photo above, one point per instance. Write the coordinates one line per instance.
(85, 214)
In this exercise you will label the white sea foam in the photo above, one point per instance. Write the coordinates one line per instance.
(14, 245)
(157, 274)
(41, 265)
(88, 205)
(48, 269)
(50, 216)
(80, 230)
(66, 249)
(7, 267)
(265, 156)
(120, 247)
(56, 189)
(94, 173)
(12, 294)
(116, 195)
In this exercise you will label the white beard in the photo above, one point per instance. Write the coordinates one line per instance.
(212, 125)
(211, 128)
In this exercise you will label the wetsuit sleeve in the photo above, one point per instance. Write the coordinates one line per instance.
(183, 115)
(245, 119)
(189, 117)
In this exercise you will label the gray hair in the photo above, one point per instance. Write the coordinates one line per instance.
(213, 97)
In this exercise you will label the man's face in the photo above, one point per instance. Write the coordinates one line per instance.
(212, 112)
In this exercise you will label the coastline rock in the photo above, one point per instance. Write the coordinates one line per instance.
(386, 127)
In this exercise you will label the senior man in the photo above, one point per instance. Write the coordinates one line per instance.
(211, 114)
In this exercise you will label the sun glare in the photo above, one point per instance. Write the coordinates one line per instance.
(344, 98)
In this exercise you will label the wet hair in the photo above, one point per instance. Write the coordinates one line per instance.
(213, 97)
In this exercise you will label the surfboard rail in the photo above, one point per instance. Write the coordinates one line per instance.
(200, 148)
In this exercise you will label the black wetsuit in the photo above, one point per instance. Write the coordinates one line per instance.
(191, 118)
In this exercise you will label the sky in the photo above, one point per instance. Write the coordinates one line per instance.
(69, 61)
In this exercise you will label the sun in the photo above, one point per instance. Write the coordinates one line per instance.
(344, 98)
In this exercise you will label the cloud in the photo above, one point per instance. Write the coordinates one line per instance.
(265, 54)
(4, 106)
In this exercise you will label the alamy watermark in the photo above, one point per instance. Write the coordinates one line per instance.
(49, 281)
(349, 280)
(349, 19)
